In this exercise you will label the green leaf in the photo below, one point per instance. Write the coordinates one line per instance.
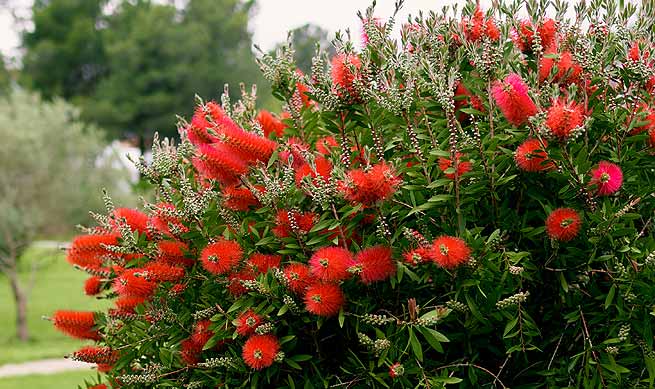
(342, 317)
(432, 338)
(610, 296)
(416, 346)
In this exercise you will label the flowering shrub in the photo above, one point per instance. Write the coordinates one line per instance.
(472, 205)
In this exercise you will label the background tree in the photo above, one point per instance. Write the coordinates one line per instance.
(64, 54)
(4, 77)
(48, 178)
(304, 43)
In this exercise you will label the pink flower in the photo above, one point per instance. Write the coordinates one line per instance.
(607, 177)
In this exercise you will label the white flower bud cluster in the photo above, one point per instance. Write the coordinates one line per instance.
(130, 379)
(213, 363)
(279, 357)
(650, 259)
(377, 320)
(516, 270)
(612, 350)
(263, 329)
(457, 306)
(513, 300)
(204, 313)
(291, 303)
(624, 332)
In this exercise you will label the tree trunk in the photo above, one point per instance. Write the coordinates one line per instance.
(22, 332)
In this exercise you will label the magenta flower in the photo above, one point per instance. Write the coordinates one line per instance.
(607, 177)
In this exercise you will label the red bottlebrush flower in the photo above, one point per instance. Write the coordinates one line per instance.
(201, 131)
(104, 368)
(172, 252)
(95, 354)
(220, 162)
(463, 167)
(607, 177)
(128, 304)
(375, 22)
(86, 251)
(464, 99)
(644, 114)
(270, 124)
(651, 135)
(377, 184)
(450, 252)
(376, 264)
(247, 322)
(418, 255)
(235, 286)
(524, 37)
(239, 198)
(396, 370)
(562, 118)
(477, 27)
(77, 324)
(133, 282)
(324, 299)
(326, 144)
(135, 219)
(299, 277)
(259, 351)
(563, 224)
(92, 286)
(345, 69)
(263, 262)
(567, 70)
(512, 98)
(165, 217)
(531, 156)
(321, 170)
(249, 146)
(202, 333)
(301, 94)
(190, 351)
(296, 149)
(99, 386)
(162, 272)
(221, 257)
(287, 221)
(331, 264)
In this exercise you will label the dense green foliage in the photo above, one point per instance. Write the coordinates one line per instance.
(417, 147)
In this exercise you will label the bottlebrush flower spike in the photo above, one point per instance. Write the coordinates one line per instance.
(477, 27)
(270, 124)
(249, 146)
(345, 69)
(607, 178)
(239, 198)
(261, 263)
(92, 286)
(128, 304)
(299, 277)
(247, 322)
(331, 264)
(221, 257)
(95, 354)
(87, 251)
(512, 98)
(99, 386)
(219, 162)
(568, 71)
(162, 219)
(450, 252)
(134, 282)
(644, 114)
(321, 170)
(135, 219)
(463, 167)
(368, 188)
(172, 252)
(288, 222)
(162, 272)
(524, 36)
(418, 255)
(77, 324)
(531, 156)
(235, 286)
(376, 264)
(259, 351)
(301, 92)
(326, 144)
(201, 131)
(324, 299)
(295, 150)
(563, 224)
(464, 99)
(563, 118)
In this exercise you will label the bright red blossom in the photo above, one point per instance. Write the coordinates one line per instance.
(259, 351)
(172, 252)
(345, 69)
(248, 322)
(299, 277)
(221, 257)
(135, 219)
(77, 324)
(568, 71)
(607, 177)
(512, 98)
(532, 157)
(377, 184)
(87, 251)
(463, 167)
(450, 252)
(92, 286)
(563, 224)
(478, 26)
(286, 221)
(162, 272)
(239, 198)
(134, 282)
(376, 264)
(562, 118)
(331, 264)
(270, 124)
(321, 170)
(324, 299)
(95, 354)
(524, 36)
(263, 262)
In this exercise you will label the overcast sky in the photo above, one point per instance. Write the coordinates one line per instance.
(274, 18)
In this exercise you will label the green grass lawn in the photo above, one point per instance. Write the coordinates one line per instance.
(57, 286)
(65, 380)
